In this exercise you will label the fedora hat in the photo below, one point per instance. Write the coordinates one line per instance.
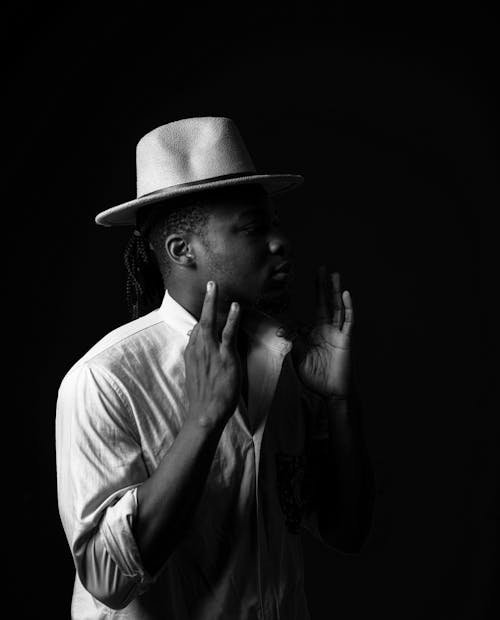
(188, 156)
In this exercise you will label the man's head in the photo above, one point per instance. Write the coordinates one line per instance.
(230, 235)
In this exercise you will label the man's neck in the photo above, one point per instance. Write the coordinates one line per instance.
(192, 301)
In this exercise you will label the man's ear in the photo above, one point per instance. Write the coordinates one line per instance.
(179, 250)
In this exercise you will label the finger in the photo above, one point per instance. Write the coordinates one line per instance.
(192, 335)
(337, 303)
(230, 331)
(349, 313)
(209, 309)
(322, 314)
(192, 331)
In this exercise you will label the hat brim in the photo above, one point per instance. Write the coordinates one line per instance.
(125, 213)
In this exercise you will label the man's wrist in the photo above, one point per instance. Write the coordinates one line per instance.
(337, 397)
(337, 404)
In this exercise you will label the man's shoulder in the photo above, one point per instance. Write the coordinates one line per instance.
(129, 344)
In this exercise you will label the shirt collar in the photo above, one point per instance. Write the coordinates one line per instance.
(258, 325)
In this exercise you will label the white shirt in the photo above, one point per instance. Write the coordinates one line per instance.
(119, 409)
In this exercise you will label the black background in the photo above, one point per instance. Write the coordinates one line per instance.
(389, 110)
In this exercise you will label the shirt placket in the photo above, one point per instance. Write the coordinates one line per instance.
(264, 368)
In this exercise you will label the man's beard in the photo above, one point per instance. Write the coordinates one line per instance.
(275, 302)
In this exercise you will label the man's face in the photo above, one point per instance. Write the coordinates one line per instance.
(245, 245)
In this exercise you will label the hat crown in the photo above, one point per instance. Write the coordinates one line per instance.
(190, 150)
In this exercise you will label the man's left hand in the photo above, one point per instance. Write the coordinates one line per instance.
(323, 357)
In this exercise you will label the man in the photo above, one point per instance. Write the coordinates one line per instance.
(191, 448)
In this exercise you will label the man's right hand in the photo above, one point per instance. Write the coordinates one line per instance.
(168, 499)
(213, 367)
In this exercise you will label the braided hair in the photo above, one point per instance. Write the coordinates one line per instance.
(145, 258)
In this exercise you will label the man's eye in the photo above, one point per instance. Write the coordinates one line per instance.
(260, 227)
(255, 228)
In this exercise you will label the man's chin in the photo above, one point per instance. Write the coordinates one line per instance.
(274, 302)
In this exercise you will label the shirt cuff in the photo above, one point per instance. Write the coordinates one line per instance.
(120, 541)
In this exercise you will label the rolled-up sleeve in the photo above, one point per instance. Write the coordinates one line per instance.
(99, 467)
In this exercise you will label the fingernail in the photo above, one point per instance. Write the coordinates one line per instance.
(210, 285)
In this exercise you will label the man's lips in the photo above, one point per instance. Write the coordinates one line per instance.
(283, 273)
(284, 267)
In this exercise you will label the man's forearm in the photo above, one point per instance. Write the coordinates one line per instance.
(345, 507)
(167, 500)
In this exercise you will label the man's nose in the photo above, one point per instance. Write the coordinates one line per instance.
(280, 244)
